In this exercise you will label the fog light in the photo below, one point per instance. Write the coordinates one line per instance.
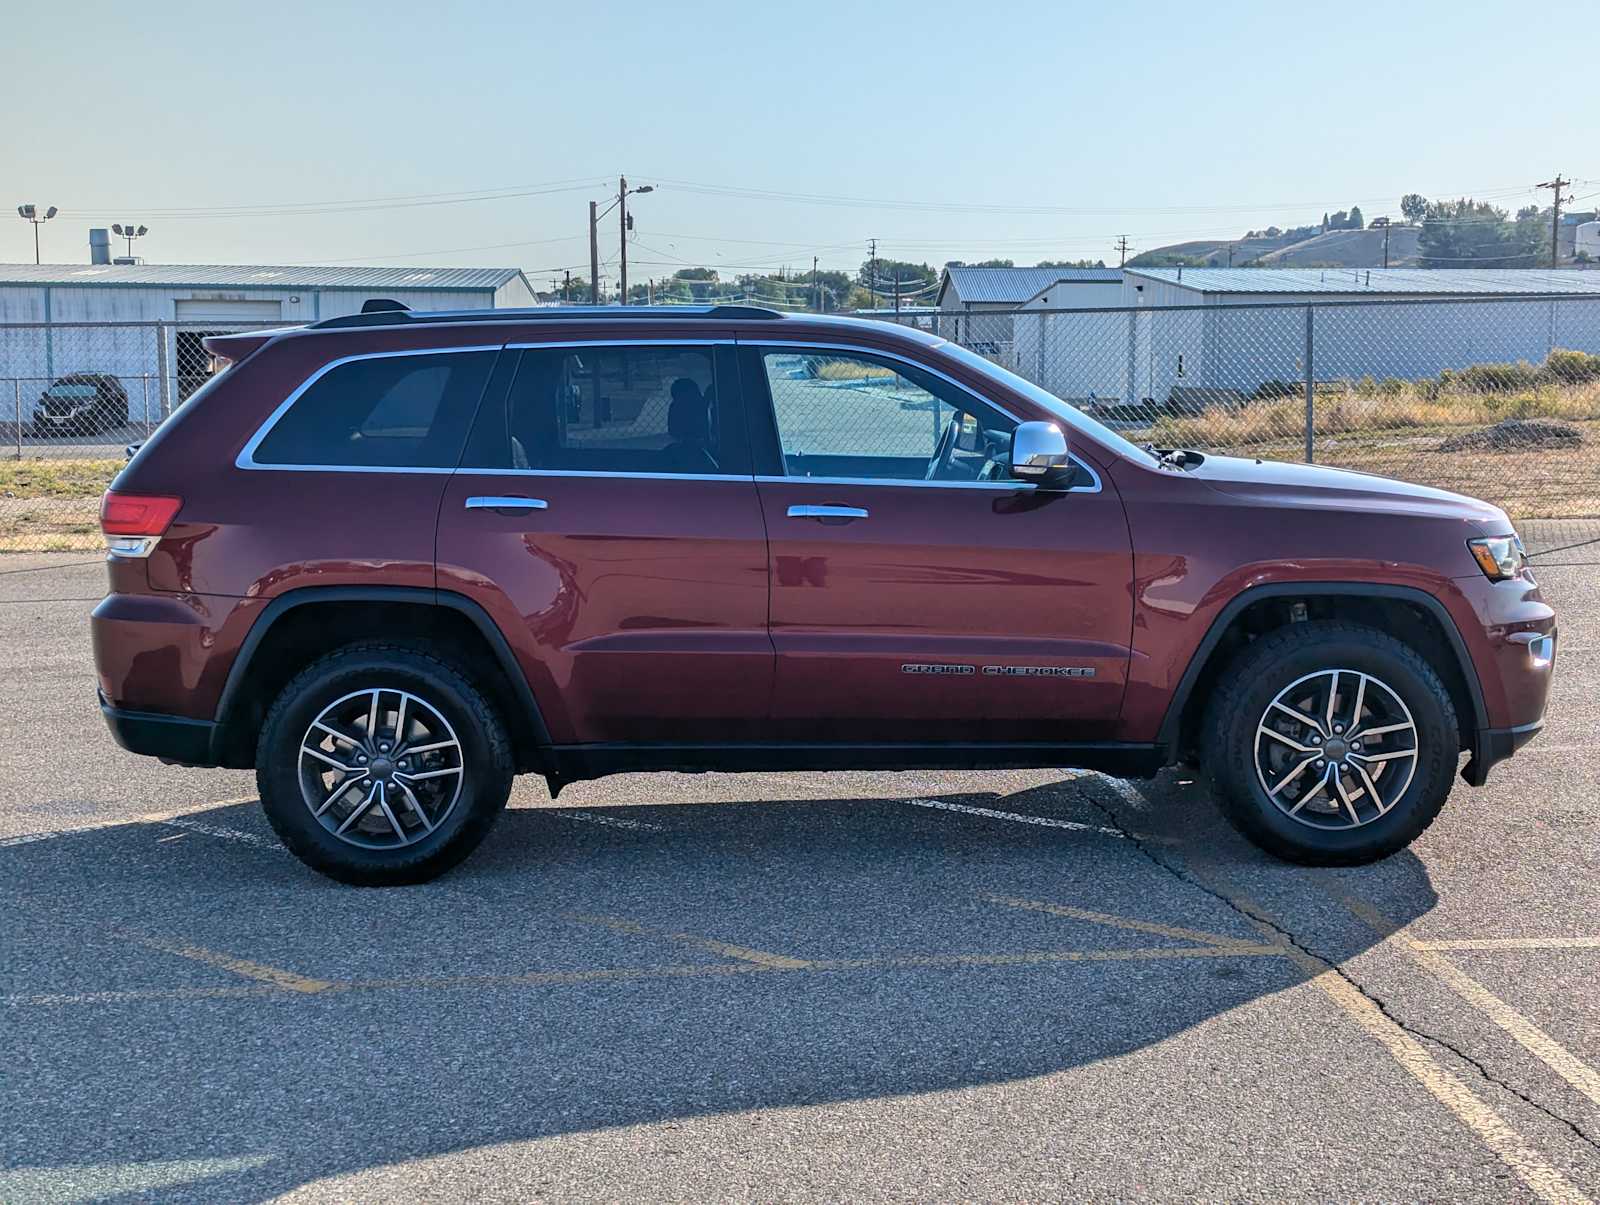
(1542, 651)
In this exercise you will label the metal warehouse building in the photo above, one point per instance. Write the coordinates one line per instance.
(162, 311)
(1197, 332)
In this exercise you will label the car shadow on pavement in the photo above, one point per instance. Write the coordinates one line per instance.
(186, 991)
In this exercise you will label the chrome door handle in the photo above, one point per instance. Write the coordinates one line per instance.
(828, 512)
(507, 502)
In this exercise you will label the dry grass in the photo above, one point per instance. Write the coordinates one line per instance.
(1344, 409)
(52, 505)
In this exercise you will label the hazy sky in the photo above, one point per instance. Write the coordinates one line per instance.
(772, 132)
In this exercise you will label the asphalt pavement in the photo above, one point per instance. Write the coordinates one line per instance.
(949, 985)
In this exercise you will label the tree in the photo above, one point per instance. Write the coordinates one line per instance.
(1070, 263)
(1474, 234)
(1357, 221)
(983, 263)
(1414, 207)
(912, 279)
(1324, 222)
(1339, 221)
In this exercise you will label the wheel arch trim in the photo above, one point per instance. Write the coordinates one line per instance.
(291, 600)
(1169, 736)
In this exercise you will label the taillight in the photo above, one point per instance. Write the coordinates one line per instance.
(134, 523)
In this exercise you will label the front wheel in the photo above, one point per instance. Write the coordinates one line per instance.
(381, 765)
(1330, 743)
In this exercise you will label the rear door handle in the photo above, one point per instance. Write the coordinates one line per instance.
(841, 514)
(505, 502)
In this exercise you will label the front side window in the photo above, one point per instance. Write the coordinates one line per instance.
(613, 409)
(409, 411)
(845, 414)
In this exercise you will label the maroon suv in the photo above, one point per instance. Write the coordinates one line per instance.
(392, 559)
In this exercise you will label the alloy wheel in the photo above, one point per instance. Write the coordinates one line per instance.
(1336, 749)
(381, 768)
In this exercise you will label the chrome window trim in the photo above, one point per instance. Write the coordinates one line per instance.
(763, 345)
(1013, 486)
(522, 346)
(247, 455)
(604, 473)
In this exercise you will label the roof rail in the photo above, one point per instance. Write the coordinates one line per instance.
(547, 313)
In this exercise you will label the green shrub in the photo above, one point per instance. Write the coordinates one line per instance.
(1572, 367)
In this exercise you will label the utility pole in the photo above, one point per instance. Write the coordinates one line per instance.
(566, 286)
(594, 255)
(1384, 222)
(897, 289)
(1122, 249)
(1555, 185)
(872, 272)
(1230, 255)
(816, 283)
(622, 229)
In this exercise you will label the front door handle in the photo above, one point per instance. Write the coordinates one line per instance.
(837, 514)
(505, 502)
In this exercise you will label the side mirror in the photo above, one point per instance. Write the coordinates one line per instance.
(1039, 453)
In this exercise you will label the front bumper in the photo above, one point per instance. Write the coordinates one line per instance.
(174, 739)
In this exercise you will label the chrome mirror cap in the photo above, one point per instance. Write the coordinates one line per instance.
(1039, 451)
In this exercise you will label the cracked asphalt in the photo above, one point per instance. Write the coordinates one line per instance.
(1002, 985)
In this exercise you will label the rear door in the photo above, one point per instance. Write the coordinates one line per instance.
(605, 515)
(919, 593)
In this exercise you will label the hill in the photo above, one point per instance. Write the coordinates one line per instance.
(1347, 249)
(1335, 249)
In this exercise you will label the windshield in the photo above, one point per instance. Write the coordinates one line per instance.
(1069, 414)
(72, 391)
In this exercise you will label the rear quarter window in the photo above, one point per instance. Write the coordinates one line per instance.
(391, 411)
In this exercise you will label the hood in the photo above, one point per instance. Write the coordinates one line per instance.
(1284, 484)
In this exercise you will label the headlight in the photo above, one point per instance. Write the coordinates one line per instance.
(1499, 557)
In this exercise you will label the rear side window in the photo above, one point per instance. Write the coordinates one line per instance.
(407, 411)
(614, 409)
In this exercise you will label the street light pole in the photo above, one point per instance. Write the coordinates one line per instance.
(594, 255)
(622, 227)
(129, 232)
(30, 213)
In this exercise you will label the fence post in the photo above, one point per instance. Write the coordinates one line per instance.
(1039, 379)
(161, 367)
(16, 388)
(144, 380)
(1311, 396)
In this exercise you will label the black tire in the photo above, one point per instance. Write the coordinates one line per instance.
(485, 758)
(1270, 665)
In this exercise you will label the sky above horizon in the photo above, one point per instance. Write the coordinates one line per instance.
(476, 134)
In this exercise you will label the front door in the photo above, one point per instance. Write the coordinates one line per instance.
(606, 517)
(919, 593)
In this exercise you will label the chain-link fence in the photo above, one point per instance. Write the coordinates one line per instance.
(1498, 398)
(73, 397)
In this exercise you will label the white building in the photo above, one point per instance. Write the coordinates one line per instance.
(42, 308)
(1199, 334)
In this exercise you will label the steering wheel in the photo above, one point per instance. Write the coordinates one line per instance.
(940, 460)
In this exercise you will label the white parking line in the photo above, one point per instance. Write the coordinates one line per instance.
(613, 821)
(227, 834)
(1018, 817)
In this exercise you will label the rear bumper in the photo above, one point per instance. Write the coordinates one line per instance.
(173, 739)
(1495, 745)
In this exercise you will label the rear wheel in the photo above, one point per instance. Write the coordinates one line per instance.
(380, 764)
(1331, 744)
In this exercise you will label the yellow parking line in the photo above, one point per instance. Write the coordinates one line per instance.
(1541, 1177)
(1511, 943)
(276, 985)
(726, 949)
(287, 980)
(1533, 1039)
(1119, 922)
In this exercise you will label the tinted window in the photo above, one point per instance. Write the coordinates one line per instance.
(840, 414)
(383, 411)
(613, 410)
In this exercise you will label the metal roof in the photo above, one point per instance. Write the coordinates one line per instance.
(1000, 285)
(253, 276)
(1488, 282)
